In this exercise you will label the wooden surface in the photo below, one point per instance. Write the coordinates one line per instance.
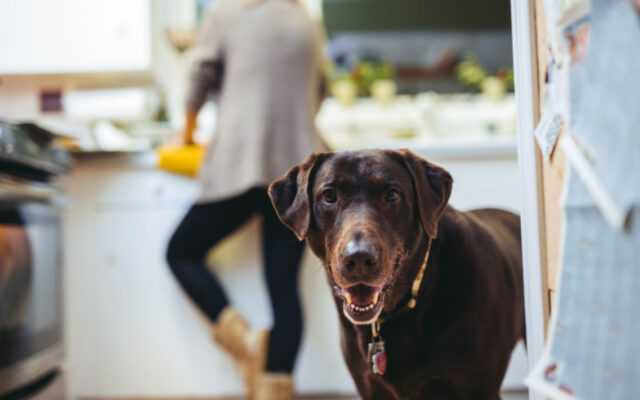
(552, 176)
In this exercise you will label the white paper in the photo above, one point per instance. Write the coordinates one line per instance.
(548, 130)
(593, 338)
(605, 102)
(601, 197)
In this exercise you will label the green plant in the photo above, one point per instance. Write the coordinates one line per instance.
(471, 74)
(366, 73)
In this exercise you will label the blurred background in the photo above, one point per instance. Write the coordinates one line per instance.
(88, 91)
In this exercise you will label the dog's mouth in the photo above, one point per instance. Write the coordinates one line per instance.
(361, 303)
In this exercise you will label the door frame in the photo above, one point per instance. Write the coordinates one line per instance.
(527, 113)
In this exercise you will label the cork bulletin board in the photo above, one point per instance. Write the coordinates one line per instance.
(551, 179)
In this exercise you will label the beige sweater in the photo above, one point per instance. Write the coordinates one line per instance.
(270, 58)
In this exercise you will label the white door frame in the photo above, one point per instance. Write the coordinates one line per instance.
(525, 68)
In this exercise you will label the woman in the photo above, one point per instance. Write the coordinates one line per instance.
(265, 55)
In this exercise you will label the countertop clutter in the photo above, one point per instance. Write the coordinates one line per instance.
(436, 125)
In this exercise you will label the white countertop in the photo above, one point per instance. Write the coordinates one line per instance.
(460, 126)
(445, 148)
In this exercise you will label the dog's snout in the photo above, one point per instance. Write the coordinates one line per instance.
(360, 252)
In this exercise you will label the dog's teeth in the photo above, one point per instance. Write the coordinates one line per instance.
(348, 296)
(375, 298)
(362, 309)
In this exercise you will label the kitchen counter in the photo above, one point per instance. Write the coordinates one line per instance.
(463, 148)
(435, 126)
(132, 332)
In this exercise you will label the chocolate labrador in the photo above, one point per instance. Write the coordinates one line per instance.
(430, 298)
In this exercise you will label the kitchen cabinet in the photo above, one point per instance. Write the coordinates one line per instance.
(131, 330)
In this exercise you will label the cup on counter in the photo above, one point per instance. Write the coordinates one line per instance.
(346, 91)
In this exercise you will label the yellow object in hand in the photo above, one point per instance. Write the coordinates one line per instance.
(180, 159)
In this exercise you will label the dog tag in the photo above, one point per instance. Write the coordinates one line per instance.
(377, 357)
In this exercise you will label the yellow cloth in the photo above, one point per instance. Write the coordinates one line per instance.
(180, 159)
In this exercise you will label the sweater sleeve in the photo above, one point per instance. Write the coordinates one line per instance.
(206, 59)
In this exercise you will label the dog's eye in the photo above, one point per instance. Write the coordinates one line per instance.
(392, 196)
(329, 195)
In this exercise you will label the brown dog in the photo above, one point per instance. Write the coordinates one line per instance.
(430, 299)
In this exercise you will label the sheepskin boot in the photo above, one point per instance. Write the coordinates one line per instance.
(273, 386)
(248, 347)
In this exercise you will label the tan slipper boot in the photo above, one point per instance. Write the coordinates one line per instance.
(274, 386)
(247, 347)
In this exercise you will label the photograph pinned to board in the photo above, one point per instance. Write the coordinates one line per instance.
(604, 98)
(592, 349)
(559, 14)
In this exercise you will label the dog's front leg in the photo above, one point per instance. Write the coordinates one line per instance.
(439, 389)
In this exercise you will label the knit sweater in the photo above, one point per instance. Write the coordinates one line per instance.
(265, 57)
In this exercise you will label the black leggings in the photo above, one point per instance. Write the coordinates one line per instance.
(203, 227)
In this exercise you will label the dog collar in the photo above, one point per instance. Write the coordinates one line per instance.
(415, 288)
(376, 353)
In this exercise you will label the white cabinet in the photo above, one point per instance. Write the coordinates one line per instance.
(42, 36)
(130, 329)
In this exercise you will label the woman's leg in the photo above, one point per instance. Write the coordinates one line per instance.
(282, 255)
(205, 225)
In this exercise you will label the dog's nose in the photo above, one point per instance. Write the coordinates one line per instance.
(360, 252)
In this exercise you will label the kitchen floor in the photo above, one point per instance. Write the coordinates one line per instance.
(519, 395)
(512, 395)
(515, 395)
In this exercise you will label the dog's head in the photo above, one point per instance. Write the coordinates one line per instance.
(364, 214)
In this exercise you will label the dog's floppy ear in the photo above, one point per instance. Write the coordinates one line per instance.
(433, 188)
(290, 196)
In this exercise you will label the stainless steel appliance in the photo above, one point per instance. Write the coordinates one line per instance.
(31, 338)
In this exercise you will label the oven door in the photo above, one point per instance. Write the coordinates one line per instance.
(30, 291)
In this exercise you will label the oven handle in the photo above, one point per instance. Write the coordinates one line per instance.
(19, 192)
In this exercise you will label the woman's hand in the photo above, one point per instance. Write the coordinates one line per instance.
(189, 128)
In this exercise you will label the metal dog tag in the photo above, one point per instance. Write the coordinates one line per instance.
(377, 357)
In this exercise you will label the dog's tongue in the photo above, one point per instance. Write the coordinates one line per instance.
(361, 295)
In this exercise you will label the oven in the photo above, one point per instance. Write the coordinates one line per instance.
(30, 292)
(31, 266)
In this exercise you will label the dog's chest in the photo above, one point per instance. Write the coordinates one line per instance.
(400, 363)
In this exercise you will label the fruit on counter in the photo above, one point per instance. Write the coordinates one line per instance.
(471, 74)
(346, 91)
(384, 91)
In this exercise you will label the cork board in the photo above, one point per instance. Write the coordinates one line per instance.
(552, 175)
